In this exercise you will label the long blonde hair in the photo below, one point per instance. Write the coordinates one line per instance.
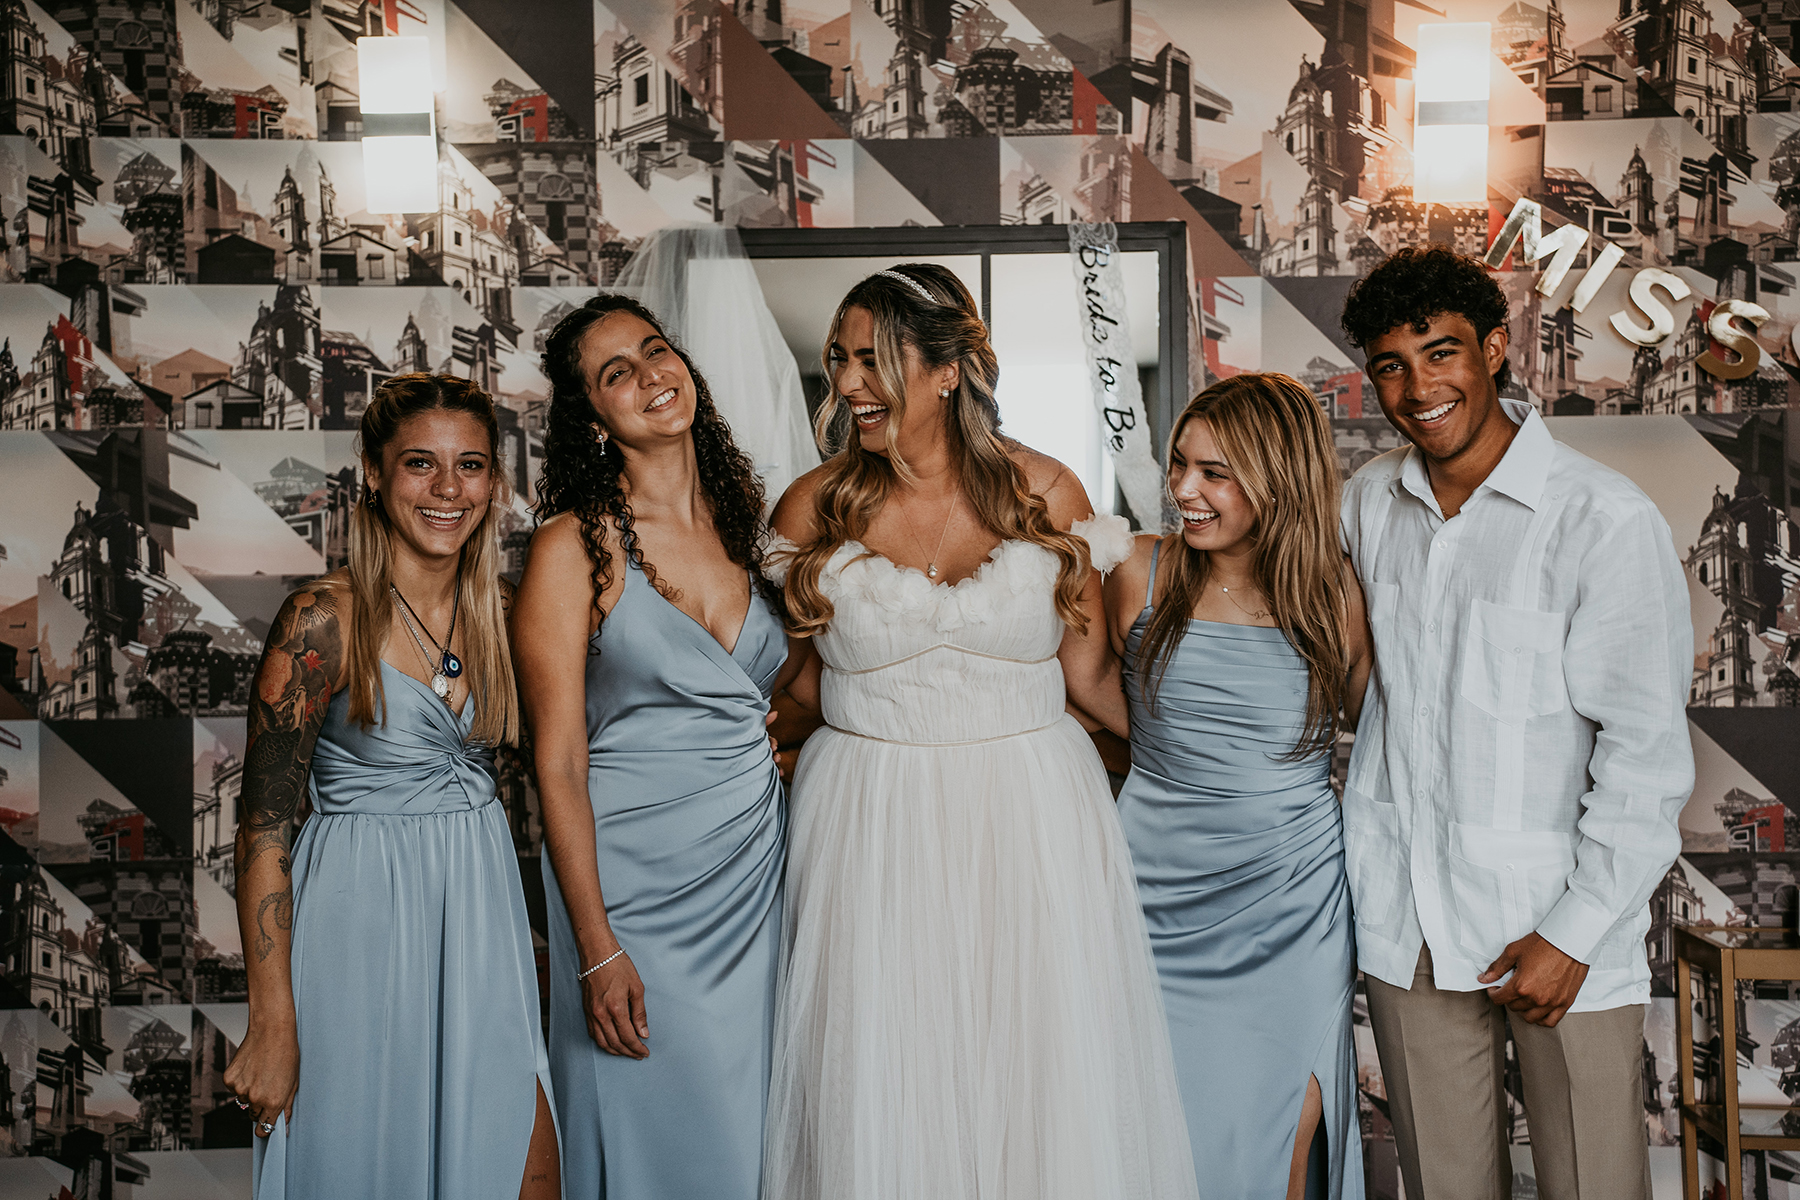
(944, 330)
(1280, 450)
(489, 661)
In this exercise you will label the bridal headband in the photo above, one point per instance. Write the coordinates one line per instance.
(912, 283)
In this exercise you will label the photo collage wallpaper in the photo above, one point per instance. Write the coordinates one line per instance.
(195, 305)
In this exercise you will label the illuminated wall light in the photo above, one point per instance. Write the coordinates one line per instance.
(1450, 95)
(399, 141)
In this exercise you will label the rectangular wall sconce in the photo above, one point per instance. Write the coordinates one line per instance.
(400, 156)
(1450, 96)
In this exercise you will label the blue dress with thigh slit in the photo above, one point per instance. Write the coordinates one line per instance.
(415, 985)
(1240, 866)
(690, 837)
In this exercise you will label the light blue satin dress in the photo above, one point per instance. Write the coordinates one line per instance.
(690, 833)
(415, 986)
(1240, 865)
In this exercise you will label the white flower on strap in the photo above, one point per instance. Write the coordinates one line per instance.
(1108, 537)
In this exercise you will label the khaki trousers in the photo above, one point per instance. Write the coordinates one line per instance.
(1443, 1060)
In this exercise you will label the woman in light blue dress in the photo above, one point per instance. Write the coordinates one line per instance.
(393, 1047)
(649, 645)
(1243, 635)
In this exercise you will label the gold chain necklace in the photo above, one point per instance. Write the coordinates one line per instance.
(931, 563)
(1257, 615)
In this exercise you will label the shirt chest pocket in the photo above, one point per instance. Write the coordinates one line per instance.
(1512, 662)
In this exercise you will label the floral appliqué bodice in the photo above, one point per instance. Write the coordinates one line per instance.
(912, 661)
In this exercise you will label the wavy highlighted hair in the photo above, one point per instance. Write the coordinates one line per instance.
(945, 330)
(1279, 447)
(483, 617)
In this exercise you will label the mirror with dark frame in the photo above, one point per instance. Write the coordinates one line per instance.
(1022, 277)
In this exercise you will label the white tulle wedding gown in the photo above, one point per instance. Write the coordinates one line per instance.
(968, 1005)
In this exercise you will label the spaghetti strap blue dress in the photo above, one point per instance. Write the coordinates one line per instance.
(1240, 866)
(690, 834)
(415, 985)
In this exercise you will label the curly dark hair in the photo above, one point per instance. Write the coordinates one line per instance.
(584, 478)
(1416, 284)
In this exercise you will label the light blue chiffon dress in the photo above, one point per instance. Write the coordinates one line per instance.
(1240, 866)
(690, 835)
(415, 986)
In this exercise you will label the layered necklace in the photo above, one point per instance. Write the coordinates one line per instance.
(447, 666)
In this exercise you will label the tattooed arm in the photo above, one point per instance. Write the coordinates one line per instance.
(303, 658)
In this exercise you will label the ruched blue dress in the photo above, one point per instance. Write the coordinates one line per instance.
(690, 835)
(1240, 866)
(415, 986)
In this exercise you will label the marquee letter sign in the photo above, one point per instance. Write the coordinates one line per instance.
(1524, 232)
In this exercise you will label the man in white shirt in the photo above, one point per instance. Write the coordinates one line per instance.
(1522, 756)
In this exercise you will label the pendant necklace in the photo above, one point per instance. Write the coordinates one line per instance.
(931, 569)
(448, 666)
(1257, 615)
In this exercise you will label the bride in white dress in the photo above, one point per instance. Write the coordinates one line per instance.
(968, 1006)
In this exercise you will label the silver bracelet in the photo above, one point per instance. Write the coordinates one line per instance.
(601, 963)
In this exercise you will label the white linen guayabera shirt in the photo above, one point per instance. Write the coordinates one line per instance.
(1523, 751)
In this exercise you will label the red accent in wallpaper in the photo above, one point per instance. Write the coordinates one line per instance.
(1086, 106)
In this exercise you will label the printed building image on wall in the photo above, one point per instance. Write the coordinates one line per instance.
(196, 305)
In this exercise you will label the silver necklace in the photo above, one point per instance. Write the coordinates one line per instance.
(448, 666)
(931, 563)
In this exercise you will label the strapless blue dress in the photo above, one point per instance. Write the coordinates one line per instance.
(415, 986)
(690, 834)
(1240, 866)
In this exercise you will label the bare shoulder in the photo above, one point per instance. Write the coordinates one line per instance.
(1059, 486)
(319, 604)
(1130, 577)
(310, 633)
(559, 565)
(559, 540)
(795, 516)
(1143, 549)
